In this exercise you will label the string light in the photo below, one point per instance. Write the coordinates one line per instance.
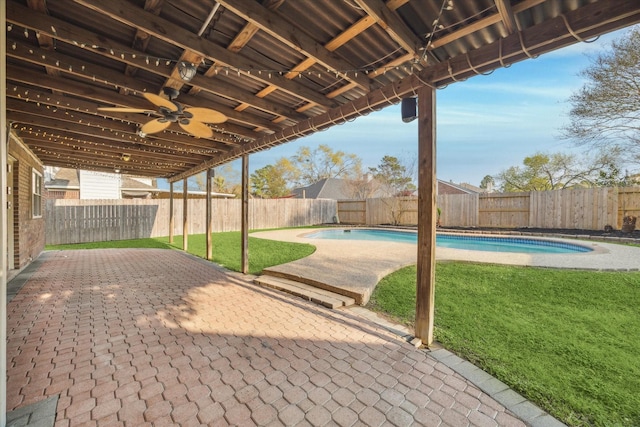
(217, 69)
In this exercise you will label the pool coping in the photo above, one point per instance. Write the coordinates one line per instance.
(354, 267)
(479, 236)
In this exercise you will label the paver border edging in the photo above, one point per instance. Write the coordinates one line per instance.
(514, 402)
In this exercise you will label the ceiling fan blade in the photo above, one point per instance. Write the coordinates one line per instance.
(198, 129)
(124, 110)
(205, 115)
(155, 126)
(160, 101)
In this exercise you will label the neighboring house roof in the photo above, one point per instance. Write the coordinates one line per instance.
(328, 188)
(134, 188)
(340, 189)
(472, 188)
(336, 189)
(64, 179)
(445, 187)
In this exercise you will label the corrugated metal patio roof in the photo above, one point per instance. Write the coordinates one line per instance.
(277, 69)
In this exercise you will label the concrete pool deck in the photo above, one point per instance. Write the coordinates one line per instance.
(354, 267)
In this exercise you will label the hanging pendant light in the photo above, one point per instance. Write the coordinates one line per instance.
(186, 70)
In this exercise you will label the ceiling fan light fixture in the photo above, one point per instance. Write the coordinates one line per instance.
(186, 70)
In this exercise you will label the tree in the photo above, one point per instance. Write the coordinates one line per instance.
(271, 180)
(227, 180)
(398, 177)
(611, 176)
(543, 172)
(198, 181)
(311, 166)
(605, 112)
(488, 183)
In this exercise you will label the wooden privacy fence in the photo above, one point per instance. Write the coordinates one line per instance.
(586, 209)
(80, 221)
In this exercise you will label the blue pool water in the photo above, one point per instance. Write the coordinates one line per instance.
(475, 243)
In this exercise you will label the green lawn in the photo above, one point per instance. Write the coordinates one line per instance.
(226, 249)
(568, 340)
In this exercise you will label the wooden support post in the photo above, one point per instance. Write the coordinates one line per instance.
(185, 216)
(172, 218)
(425, 292)
(209, 215)
(245, 214)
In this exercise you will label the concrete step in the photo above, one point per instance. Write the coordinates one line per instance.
(310, 293)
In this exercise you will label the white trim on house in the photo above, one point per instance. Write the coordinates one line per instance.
(36, 192)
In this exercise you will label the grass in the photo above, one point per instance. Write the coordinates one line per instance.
(567, 340)
(226, 249)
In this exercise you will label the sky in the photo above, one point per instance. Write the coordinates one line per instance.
(484, 125)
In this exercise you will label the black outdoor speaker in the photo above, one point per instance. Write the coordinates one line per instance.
(409, 109)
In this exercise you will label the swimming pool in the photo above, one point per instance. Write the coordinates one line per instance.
(471, 242)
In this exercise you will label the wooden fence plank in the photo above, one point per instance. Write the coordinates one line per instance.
(79, 221)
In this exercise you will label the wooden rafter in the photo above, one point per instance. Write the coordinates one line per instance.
(393, 25)
(334, 44)
(169, 32)
(280, 29)
(70, 33)
(481, 24)
(507, 15)
(141, 39)
(250, 29)
(44, 41)
(95, 59)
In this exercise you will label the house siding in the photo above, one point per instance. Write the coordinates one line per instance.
(99, 185)
(28, 232)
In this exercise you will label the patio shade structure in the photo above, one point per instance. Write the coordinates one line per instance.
(277, 69)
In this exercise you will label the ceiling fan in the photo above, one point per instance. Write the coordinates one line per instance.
(191, 119)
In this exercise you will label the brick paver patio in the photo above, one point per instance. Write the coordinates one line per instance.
(155, 337)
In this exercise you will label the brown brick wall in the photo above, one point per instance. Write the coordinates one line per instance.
(61, 194)
(29, 232)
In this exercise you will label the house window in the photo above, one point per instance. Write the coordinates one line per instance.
(36, 194)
